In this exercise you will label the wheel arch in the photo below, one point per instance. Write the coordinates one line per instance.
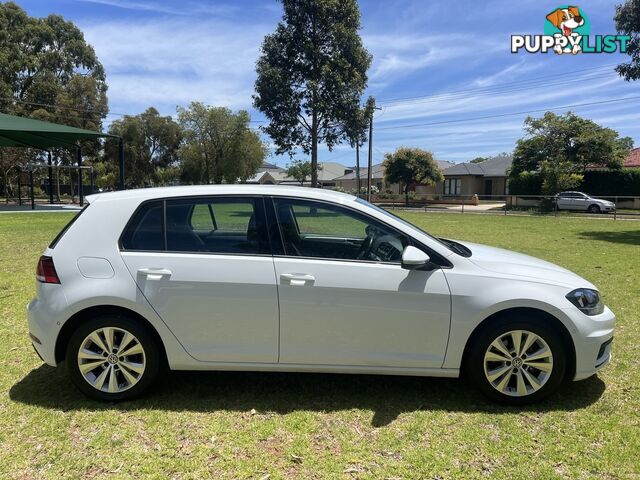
(531, 312)
(77, 318)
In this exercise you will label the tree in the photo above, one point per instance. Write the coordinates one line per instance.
(479, 159)
(300, 170)
(151, 144)
(561, 147)
(311, 74)
(410, 166)
(627, 20)
(219, 146)
(356, 128)
(49, 72)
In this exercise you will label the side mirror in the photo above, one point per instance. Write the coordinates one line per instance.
(414, 259)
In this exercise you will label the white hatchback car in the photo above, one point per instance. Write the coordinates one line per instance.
(270, 278)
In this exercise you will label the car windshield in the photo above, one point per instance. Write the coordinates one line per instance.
(447, 244)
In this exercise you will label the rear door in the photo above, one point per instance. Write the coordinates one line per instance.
(205, 266)
(565, 200)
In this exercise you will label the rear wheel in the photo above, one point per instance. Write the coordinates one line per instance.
(112, 358)
(594, 209)
(517, 362)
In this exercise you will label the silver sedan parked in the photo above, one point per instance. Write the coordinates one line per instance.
(583, 202)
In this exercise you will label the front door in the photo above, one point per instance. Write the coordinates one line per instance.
(344, 298)
(488, 187)
(211, 278)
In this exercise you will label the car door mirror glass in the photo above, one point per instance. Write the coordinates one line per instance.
(415, 259)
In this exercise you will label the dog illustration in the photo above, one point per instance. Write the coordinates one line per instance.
(565, 20)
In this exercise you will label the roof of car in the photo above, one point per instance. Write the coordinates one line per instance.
(236, 189)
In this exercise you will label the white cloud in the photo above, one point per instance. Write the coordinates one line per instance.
(176, 8)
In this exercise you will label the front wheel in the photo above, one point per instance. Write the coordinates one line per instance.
(594, 209)
(112, 358)
(517, 362)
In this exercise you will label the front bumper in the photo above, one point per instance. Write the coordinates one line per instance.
(592, 337)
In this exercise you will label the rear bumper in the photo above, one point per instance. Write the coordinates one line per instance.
(40, 327)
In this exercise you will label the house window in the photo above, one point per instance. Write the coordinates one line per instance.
(452, 186)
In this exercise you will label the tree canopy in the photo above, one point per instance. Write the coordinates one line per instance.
(218, 146)
(300, 170)
(561, 147)
(627, 20)
(410, 166)
(311, 75)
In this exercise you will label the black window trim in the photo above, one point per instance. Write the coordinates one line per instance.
(436, 258)
(164, 201)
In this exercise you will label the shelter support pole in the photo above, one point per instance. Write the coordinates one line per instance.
(33, 200)
(80, 189)
(92, 181)
(121, 162)
(369, 160)
(19, 187)
(50, 179)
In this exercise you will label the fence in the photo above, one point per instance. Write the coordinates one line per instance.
(625, 207)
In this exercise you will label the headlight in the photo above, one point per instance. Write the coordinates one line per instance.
(587, 300)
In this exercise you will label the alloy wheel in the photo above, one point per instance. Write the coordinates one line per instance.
(518, 363)
(111, 359)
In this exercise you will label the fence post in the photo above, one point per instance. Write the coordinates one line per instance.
(615, 209)
(555, 208)
(462, 206)
(19, 187)
(33, 201)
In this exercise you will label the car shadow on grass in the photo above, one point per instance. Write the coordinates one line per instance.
(630, 237)
(282, 393)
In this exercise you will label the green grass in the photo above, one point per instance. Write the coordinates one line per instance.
(249, 425)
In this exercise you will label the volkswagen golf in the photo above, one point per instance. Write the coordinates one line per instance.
(279, 278)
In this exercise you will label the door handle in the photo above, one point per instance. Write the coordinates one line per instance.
(155, 273)
(297, 279)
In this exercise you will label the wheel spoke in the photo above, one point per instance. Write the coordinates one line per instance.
(502, 385)
(126, 340)
(533, 381)
(494, 375)
(497, 344)
(544, 366)
(516, 338)
(99, 382)
(85, 354)
(492, 356)
(135, 367)
(531, 338)
(95, 338)
(133, 350)
(87, 367)
(108, 335)
(127, 375)
(539, 355)
(521, 388)
(113, 381)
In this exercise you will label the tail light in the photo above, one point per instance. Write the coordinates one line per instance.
(46, 270)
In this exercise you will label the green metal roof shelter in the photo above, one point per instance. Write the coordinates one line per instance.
(30, 133)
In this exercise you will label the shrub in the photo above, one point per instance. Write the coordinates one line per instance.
(525, 183)
(616, 182)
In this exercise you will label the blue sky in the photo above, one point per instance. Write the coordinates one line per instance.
(434, 62)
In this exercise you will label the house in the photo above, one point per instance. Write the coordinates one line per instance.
(483, 178)
(349, 181)
(270, 174)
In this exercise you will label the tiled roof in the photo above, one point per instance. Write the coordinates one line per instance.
(377, 171)
(633, 159)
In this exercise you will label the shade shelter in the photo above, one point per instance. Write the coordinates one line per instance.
(29, 133)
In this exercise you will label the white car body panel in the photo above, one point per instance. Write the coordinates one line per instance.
(235, 312)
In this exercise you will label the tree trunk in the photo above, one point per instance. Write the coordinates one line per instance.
(314, 150)
(358, 168)
(406, 194)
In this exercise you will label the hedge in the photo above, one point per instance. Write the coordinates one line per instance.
(595, 182)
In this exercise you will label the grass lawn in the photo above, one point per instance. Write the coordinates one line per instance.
(251, 425)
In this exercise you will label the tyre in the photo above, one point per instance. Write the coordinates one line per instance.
(113, 358)
(517, 362)
(593, 209)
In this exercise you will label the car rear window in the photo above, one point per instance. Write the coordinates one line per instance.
(66, 227)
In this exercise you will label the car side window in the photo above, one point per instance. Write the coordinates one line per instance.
(323, 230)
(145, 230)
(216, 225)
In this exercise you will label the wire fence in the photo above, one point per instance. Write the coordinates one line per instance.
(607, 206)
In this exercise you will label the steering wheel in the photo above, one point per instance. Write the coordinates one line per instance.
(365, 248)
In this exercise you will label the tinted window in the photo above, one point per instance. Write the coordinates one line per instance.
(216, 225)
(316, 229)
(144, 231)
